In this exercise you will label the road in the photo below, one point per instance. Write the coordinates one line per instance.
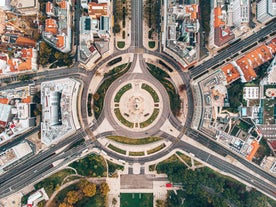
(31, 170)
(233, 49)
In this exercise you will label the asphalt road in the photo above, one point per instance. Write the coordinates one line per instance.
(233, 49)
(30, 170)
(17, 139)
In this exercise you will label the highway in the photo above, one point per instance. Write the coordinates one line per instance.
(233, 49)
(19, 138)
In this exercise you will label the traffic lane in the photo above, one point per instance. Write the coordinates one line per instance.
(216, 147)
(232, 50)
(34, 174)
(36, 159)
(19, 138)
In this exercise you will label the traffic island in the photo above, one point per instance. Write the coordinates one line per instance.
(136, 105)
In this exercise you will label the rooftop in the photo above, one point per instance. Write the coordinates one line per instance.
(255, 146)
(97, 10)
(231, 73)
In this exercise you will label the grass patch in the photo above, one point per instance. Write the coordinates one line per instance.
(156, 149)
(121, 44)
(244, 126)
(122, 119)
(152, 167)
(109, 78)
(185, 158)
(116, 149)
(136, 153)
(151, 91)
(136, 199)
(112, 167)
(54, 181)
(151, 119)
(114, 61)
(122, 91)
(89, 104)
(264, 150)
(92, 166)
(132, 141)
(235, 131)
(71, 178)
(151, 44)
(163, 77)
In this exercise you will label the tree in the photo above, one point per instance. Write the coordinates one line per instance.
(65, 205)
(73, 197)
(117, 28)
(104, 189)
(114, 201)
(160, 203)
(89, 190)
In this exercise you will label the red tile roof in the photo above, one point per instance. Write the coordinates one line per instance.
(218, 21)
(272, 144)
(96, 10)
(255, 146)
(51, 26)
(24, 41)
(231, 73)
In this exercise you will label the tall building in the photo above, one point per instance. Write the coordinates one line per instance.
(5, 5)
(240, 11)
(266, 10)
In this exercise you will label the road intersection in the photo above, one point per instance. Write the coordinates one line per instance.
(30, 171)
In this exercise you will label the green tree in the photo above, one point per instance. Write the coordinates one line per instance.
(117, 28)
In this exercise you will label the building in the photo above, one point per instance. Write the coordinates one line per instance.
(27, 7)
(240, 12)
(5, 114)
(96, 10)
(59, 109)
(181, 32)
(16, 112)
(266, 10)
(5, 5)
(88, 54)
(231, 73)
(250, 93)
(14, 154)
(57, 31)
(222, 32)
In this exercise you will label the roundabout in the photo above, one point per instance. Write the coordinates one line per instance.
(137, 105)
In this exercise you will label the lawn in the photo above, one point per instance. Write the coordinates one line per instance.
(151, 44)
(112, 167)
(151, 91)
(92, 166)
(53, 181)
(122, 91)
(137, 153)
(164, 78)
(121, 44)
(109, 78)
(133, 141)
(116, 149)
(136, 199)
(185, 158)
(122, 119)
(151, 119)
(156, 149)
